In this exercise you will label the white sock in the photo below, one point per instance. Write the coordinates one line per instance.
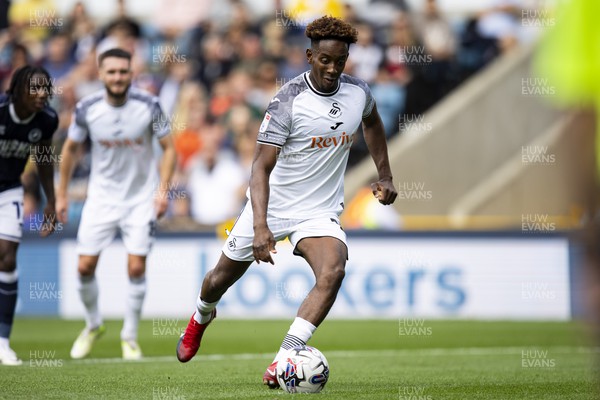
(133, 312)
(4, 342)
(203, 310)
(299, 333)
(88, 292)
(9, 277)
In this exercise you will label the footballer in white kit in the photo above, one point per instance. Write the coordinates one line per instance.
(313, 132)
(296, 186)
(122, 181)
(125, 192)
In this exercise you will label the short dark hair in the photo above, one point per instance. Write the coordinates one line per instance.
(119, 53)
(327, 27)
(21, 82)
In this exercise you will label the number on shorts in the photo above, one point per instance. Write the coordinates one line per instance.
(18, 205)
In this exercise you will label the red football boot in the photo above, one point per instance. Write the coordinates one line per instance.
(189, 342)
(270, 376)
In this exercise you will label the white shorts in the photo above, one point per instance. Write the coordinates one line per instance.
(100, 222)
(238, 246)
(11, 214)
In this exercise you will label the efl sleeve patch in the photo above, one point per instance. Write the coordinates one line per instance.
(265, 123)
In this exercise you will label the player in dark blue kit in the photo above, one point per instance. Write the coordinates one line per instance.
(26, 128)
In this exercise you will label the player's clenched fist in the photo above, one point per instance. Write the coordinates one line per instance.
(384, 191)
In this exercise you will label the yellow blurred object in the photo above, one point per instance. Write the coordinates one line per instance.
(365, 212)
(308, 10)
(569, 57)
(224, 228)
(37, 17)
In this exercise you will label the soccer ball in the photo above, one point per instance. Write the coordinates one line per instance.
(302, 369)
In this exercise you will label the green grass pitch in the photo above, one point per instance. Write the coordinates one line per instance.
(368, 360)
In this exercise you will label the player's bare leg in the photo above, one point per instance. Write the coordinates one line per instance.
(215, 284)
(327, 258)
(88, 292)
(8, 299)
(219, 279)
(136, 268)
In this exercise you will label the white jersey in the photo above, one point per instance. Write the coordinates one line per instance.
(123, 170)
(315, 131)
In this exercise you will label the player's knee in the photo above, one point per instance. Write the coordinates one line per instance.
(217, 282)
(86, 268)
(137, 270)
(8, 262)
(332, 277)
(214, 281)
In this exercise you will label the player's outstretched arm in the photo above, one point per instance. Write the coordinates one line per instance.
(67, 165)
(383, 189)
(46, 174)
(265, 157)
(166, 170)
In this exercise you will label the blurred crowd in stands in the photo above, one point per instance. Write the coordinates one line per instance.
(215, 66)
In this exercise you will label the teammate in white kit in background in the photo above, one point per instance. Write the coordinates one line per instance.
(296, 187)
(124, 191)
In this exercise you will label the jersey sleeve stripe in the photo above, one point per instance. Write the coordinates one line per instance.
(269, 143)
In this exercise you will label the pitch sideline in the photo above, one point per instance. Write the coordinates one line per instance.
(461, 351)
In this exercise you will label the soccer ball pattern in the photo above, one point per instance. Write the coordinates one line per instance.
(302, 369)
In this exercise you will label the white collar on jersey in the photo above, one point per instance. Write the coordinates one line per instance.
(15, 117)
(310, 85)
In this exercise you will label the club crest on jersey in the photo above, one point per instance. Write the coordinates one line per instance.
(335, 111)
(34, 135)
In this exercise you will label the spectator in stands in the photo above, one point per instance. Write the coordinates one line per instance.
(237, 121)
(244, 147)
(173, 17)
(240, 83)
(82, 29)
(216, 61)
(249, 52)
(475, 51)
(13, 56)
(264, 85)
(125, 32)
(390, 97)
(405, 61)
(293, 65)
(215, 178)
(400, 37)
(178, 71)
(365, 55)
(189, 120)
(272, 41)
(439, 43)
(220, 100)
(59, 59)
(501, 23)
